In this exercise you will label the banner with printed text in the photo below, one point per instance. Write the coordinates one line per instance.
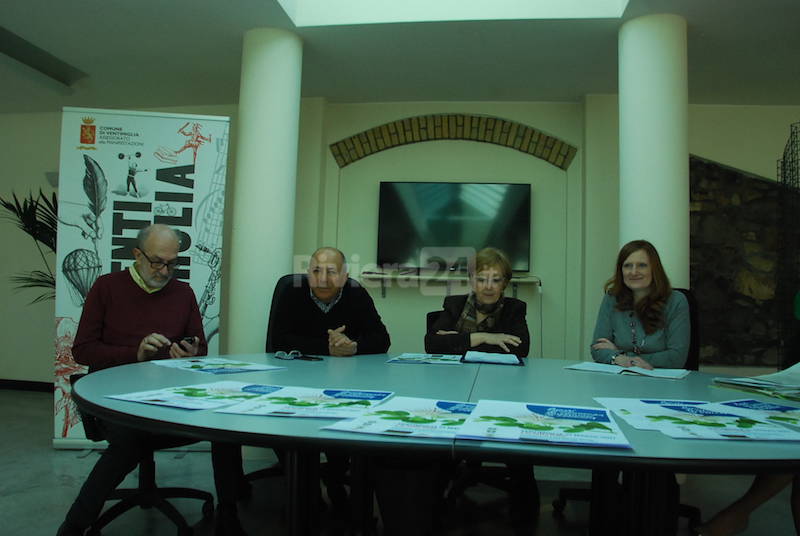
(120, 171)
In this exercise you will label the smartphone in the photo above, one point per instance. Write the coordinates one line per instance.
(187, 340)
(309, 358)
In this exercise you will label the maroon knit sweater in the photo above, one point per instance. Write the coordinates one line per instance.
(118, 314)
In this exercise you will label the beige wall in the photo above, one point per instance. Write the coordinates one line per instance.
(28, 150)
(349, 216)
(750, 138)
(575, 213)
(601, 178)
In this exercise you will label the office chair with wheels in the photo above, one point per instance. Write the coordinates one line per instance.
(147, 494)
(282, 286)
(329, 471)
(692, 513)
(275, 470)
(469, 473)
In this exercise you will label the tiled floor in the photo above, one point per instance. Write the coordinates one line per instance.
(38, 483)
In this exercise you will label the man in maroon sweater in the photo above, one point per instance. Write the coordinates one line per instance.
(136, 315)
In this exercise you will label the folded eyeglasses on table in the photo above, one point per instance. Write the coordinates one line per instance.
(296, 354)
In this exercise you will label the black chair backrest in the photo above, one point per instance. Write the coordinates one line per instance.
(91, 426)
(281, 287)
(430, 320)
(693, 357)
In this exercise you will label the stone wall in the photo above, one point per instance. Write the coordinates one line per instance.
(734, 245)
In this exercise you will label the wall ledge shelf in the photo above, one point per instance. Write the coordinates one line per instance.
(403, 279)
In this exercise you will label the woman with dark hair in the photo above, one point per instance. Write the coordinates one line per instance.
(486, 321)
(642, 322)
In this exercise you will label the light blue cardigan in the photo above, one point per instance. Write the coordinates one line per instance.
(665, 348)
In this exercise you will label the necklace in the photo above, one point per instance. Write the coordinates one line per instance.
(637, 348)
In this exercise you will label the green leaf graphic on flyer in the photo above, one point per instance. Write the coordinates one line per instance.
(191, 391)
(534, 426)
(199, 392)
(418, 420)
(453, 422)
(744, 422)
(790, 420)
(587, 426)
(281, 399)
(391, 415)
(404, 416)
(346, 404)
(509, 421)
(290, 401)
(679, 420)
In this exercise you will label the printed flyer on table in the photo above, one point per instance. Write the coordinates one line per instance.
(409, 416)
(542, 423)
(203, 396)
(312, 402)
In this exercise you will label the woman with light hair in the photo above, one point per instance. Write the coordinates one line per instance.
(487, 321)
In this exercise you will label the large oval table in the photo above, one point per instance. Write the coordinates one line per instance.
(653, 456)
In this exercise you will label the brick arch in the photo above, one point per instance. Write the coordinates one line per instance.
(479, 128)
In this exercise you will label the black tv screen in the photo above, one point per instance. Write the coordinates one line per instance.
(434, 224)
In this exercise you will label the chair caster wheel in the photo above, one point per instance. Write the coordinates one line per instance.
(558, 508)
(208, 509)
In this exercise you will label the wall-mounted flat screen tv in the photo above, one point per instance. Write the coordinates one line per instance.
(432, 224)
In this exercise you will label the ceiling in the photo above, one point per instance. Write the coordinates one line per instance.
(153, 53)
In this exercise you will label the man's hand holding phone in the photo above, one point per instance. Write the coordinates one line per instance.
(185, 347)
(150, 345)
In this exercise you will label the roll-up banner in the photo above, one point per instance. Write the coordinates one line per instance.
(119, 172)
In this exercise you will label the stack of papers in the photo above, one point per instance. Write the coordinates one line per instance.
(591, 366)
(409, 416)
(439, 359)
(542, 423)
(485, 357)
(213, 365)
(783, 384)
(695, 419)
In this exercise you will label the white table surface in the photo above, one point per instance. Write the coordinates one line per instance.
(453, 382)
(546, 380)
(541, 380)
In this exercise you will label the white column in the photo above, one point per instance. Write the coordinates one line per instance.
(653, 134)
(262, 197)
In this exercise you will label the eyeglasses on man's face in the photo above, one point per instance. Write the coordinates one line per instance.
(158, 265)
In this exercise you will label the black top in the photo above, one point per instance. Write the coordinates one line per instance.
(301, 325)
(511, 321)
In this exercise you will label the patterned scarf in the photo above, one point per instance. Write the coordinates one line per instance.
(468, 321)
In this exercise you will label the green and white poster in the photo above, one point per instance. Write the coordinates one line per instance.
(121, 171)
